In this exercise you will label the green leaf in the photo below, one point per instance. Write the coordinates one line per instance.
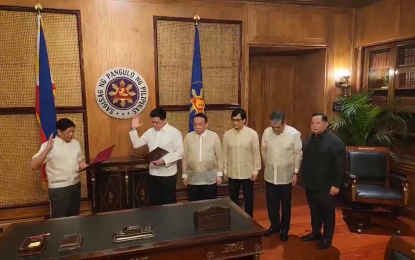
(361, 122)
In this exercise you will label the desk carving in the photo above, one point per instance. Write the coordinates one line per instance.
(212, 217)
(127, 178)
(234, 247)
(257, 248)
(110, 198)
(210, 255)
(119, 183)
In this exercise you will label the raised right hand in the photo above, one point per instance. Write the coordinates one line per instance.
(51, 142)
(135, 123)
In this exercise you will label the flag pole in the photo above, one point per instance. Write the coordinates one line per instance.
(38, 8)
(196, 18)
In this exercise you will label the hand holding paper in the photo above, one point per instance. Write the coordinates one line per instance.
(101, 156)
(158, 162)
(156, 155)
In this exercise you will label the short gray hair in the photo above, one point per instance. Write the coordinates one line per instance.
(278, 116)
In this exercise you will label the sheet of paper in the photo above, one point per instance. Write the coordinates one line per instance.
(33, 244)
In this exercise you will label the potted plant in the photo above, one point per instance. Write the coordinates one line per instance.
(361, 122)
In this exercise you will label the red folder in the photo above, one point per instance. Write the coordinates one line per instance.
(101, 156)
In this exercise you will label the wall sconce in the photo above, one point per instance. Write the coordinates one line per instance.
(342, 80)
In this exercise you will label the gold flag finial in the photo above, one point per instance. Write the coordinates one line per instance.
(38, 7)
(196, 18)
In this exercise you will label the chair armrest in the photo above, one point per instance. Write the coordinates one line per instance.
(351, 176)
(398, 177)
(405, 186)
(353, 182)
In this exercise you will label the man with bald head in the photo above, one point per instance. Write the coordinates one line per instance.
(322, 171)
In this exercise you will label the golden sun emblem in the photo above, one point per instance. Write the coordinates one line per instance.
(122, 93)
(198, 102)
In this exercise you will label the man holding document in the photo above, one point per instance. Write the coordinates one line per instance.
(63, 158)
(162, 186)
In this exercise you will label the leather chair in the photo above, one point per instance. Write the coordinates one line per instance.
(373, 195)
(400, 248)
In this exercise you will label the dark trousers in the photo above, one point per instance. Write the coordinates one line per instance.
(279, 195)
(65, 201)
(202, 192)
(162, 190)
(247, 191)
(323, 212)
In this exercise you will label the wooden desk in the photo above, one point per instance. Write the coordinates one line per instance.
(122, 183)
(400, 247)
(119, 183)
(175, 236)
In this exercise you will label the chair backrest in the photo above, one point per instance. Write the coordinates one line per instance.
(368, 164)
(400, 248)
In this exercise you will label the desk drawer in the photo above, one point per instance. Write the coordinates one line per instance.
(230, 249)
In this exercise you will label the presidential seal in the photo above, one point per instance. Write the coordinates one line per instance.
(121, 93)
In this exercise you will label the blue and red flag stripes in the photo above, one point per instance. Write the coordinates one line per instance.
(45, 89)
(197, 102)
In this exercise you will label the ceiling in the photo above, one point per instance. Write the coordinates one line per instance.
(337, 3)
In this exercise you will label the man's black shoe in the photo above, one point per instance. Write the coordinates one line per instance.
(323, 244)
(271, 231)
(311, 237)
(284, 236)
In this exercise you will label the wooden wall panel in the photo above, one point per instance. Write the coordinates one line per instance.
(292, 84)
(407, 18)
(271, 86)
(385, 21)
(339, 53)
(309, 86)
(280, 24)
(271, 83)
(256, 79)
(111, 40)
(120, 33)
(284, 25)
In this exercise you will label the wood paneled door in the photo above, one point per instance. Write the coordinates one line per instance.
(294, 84)
(272, 81)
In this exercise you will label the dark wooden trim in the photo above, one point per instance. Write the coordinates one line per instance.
(395, 41)
(36, 204)
(321, 3)
(156, 60)
(25, 213)
(187, 20)
(31, 110)
(409, 212)
(33, 10)
(83, 94)
(241, 64)
(211, 107)
(208, 106)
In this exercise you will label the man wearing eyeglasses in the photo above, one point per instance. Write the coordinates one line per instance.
(241, 159)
